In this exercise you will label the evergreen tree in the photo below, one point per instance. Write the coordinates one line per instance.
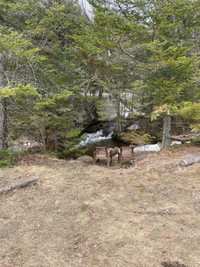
(166, 30)
(172, 67)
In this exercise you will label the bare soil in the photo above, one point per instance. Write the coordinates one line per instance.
(147, 214)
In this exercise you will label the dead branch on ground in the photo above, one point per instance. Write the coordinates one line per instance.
(7, 189)
(152, 212)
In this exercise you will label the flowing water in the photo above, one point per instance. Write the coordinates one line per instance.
(100, 139)
(95, 139)
(104, 137)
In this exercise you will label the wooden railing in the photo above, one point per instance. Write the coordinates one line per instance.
(102, 153)
(126, 152)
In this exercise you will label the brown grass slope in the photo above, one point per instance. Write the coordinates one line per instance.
(85, 215)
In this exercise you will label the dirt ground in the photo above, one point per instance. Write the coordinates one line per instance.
(79, 214)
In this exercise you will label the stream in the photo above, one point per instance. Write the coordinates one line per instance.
(102, 136)
(99, 138)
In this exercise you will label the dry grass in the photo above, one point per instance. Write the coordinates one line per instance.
(85, 215)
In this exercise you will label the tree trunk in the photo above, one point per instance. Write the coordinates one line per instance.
(166, 141)
(100, 93)
(119, 126)
(3, 107)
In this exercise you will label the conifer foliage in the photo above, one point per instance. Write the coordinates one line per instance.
(58, 63)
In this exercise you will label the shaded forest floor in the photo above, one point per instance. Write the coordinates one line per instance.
(84, 215)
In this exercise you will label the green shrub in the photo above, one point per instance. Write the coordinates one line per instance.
(72, 152)
(196, 141)
(8, 158)
(141, 139)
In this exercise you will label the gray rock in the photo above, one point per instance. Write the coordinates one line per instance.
(26, 144)
(114, 150)
(86, 159)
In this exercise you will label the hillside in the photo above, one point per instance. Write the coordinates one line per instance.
(84, 215)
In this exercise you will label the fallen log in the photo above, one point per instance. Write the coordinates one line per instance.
(7, 189)
(184, 137)
(189, 161)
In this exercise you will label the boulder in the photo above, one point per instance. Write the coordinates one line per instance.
(26, 144)
(86, 116)
(86, 159)
(115, 150)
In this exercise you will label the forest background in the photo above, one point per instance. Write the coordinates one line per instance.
(57, 63)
